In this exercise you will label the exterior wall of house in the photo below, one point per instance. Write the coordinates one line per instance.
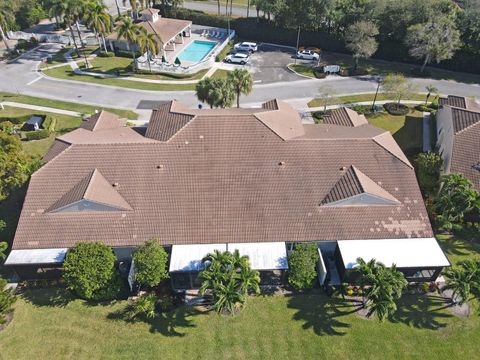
(445, 136)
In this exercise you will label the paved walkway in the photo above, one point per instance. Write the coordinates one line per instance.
(40, 108)
(426, 132)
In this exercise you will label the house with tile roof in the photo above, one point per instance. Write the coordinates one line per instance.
(256, 180)
(458, 134)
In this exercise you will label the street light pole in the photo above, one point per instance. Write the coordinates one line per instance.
(376, 93)
(298, 42)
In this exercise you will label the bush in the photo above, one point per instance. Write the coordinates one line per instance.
(90, 271)
(302, 262)
(17, 120)
(396, 109)
(7, 299)
(37, 135)
(107, 54)
(362, 109)
(50, 123)
(126, 54)
(428, 166)
(150, 263)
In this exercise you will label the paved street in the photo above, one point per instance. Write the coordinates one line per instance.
(21, 76)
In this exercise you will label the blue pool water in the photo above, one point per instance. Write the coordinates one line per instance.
(196, 51)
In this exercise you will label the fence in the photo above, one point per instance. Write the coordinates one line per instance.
(159, 66)
(49, 38)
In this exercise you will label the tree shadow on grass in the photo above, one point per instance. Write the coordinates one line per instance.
(410, 136)
(422, 312)
(321, 313)
(168, 323)
(459, 247)
(53, 297)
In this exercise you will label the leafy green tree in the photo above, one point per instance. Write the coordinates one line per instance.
(98, 19)
(430, 90)
(13, 164)
(147, 43)
(468, 22)
(382, 287)
(397, 87)
(150, 263)
(6, 17)
(229, 278)
(3, 245)
(90, 271)
(360, 40)
(456, 198)
(215, 92)
(435, 40)
(428, 166)
(463, 280)
(302, 261)
(7, 299)
(128, 31)
(242, 82)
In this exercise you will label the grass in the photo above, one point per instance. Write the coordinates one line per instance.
(220, 74)
(64, 105)
(58, 57)
(302, 70)
(406, 130)
(360, 98)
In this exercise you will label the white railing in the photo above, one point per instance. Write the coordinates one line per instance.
(49, 38)
(158, 66)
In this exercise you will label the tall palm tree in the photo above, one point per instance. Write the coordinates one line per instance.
(430, 89)
(71, 13)
(242, 82)
(128, 31)
(463, 280)
(147, 43)
(56, 9)
(223, 93)
(6, 15)
(204, 89)
(98, 19)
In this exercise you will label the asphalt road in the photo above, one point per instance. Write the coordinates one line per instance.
(21, 76)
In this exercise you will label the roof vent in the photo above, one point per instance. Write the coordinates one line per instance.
(476, 166)
(115, 184)
(281, 163)
(159, 167)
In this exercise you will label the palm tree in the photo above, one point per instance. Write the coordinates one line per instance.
(147, 43)
(463, 280)
(430, 89)
(242, 82)
(128, 31)
(71, 13)
(98, 19)
(56, 9)
(204, 89)
(223, 93)
(6, 15)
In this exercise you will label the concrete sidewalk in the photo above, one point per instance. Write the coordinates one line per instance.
(40, 108)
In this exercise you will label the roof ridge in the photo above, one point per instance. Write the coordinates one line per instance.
(391, 146)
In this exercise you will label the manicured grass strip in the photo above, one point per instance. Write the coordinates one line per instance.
(220, 74)
(302, 70)
(360, 98)
(171, 76)
(64, 105)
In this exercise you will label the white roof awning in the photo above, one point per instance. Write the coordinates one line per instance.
(36, 256)
(188, 258)
(263, 256)
(404, 253)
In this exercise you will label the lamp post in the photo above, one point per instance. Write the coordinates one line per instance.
(376, 93)
(298, 42)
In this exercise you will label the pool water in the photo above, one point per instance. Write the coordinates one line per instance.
(196, 51)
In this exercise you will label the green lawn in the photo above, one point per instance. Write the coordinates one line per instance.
(360, 98)
(58, 57)
(64, 105)
(406, 130)
(302, 70)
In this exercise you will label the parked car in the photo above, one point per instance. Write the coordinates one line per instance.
(246, 46)
(307, 55)
(310, 48)
(237, 58)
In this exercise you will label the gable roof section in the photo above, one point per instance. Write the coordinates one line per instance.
(101, 121)
(463, 119)
(167, 120)
(165, 28)
(282, 119)
(459, 102)
(353, 183)
(386, 141)
(94, 188)
(345, 117)
(56, 149)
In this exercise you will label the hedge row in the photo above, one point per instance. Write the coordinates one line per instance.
(16, 120)
(465, 59)
(37, 135)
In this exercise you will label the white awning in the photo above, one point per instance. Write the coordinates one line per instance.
(263, 256)
(36, 256)
(404, 253)
(189, 257)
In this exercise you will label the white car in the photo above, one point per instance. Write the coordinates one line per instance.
(237, 58)
(307, 55)
(246, 46)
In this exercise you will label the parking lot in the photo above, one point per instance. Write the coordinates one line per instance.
(269, 64)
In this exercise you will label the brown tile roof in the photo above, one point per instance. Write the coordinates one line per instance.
(101, 121)
(345, 117)
(463, 119)
(459, 102)
(225, 177)
(56, 149)
(166, 29)
(166, 122)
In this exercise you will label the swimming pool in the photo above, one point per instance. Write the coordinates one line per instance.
(196, 51)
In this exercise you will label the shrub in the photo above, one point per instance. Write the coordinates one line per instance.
(362, 109)
(126, 54)
(90, 271)
(150, 263)
(17, 120)
(434, 104)
(143, 306)
(107, 54)
(49, 123)
(7, 299)
(428, 166)
(396, 108)
(424, 108)
(37, 135)
(302, 262)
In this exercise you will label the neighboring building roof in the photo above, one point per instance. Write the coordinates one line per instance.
(225, 176)
(101, 121)
(463, 119)
(149, 11)
(459, 102)
(345, 117)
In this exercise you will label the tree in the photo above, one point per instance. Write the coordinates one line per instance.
(468, 21)
(302, 261)
(6, 16)
(14, 165)
(435, 40)
(56, 9)
(456, 198)
(430, 89)
(215, 92)
(463, 280)
(360, 40)
(7, 299)
(150, 263)
(242, 82)
(229, 278)
(128, 31)
(90, 271)
(147, 43)
(3, 245)
(98, 19)
(428, 166)
(397, 87)
(382, 287)
(72, 11)
(327, 96)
